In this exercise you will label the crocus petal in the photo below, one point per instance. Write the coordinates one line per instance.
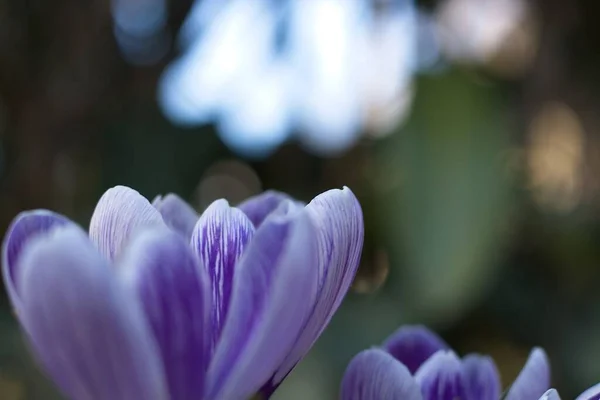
(552, 394)
(160, 268)
(440, 377)
(176, 213)
(219, 239)
(25, 226)
(592, 393)
(480, 377)
(119, 212)
(338, 219)
(86, 329)
(257, 208)
(273, 292)
(412, 345)
(375, 375)
(534, 379)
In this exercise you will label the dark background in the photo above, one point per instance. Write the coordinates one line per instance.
(482, 209)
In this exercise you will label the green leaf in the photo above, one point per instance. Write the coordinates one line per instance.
(446, 201)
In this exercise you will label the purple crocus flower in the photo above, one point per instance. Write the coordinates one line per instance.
(416, 364)
(592, 393)
(156, 303)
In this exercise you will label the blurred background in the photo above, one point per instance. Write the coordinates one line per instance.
(468, 129)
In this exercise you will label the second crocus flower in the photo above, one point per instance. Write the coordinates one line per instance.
(416, 364)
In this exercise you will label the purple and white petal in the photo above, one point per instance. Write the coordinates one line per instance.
(176, 213)
(552, 394)
(440, 377)
(592, 393)
(119, 213)
(259, 207)
(481, 378)
(87, 331)
(274, 290)
(24, 226)
(338, 219)
(173, 289)
(412, 345)
(219, 239)
(534, 379)
(375, 375)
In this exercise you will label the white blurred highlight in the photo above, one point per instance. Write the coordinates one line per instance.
(324, 35)
(386, 84)
(229, 52)
(474, 30)
(322, 71)
(340, 61)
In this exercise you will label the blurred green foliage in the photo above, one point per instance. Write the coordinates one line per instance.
(446, 218)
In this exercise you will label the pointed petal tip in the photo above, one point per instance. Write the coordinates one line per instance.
(338, 218)
(218, 206)
(343, 190)
(220, 203)
(441, 373)
(347, 190)
(539, 356)
(375, 374)
(442, 360)
(534, 379)
(412, 345)
(340, 196)
(219, 239)
(552, 394)
(481, 377)
(119, 213)
(337, 222)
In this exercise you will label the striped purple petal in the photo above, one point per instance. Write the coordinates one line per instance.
(87, 331)
(274, 289)
(338, 219)
(257, 208)
(480, 377)
(375, 375)
(177, 214)
(119, 213)
(534, 379)
(412, 345)
(25, 226)
(219, 239)
(592, 393)
(173, 289)
(440, 377)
